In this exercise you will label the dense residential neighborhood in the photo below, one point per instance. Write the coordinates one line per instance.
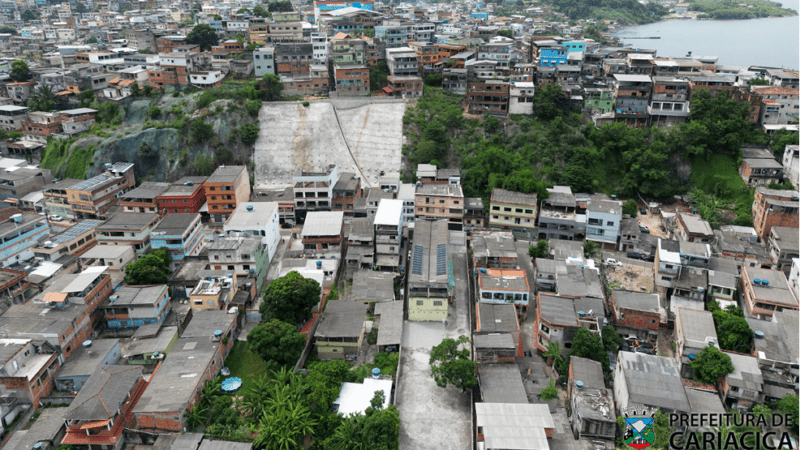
(380, 225)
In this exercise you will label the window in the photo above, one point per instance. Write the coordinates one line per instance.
(437, 303)
(610, 224)
(495, 208)
(652, 321)
(545, 328)
(419, 302)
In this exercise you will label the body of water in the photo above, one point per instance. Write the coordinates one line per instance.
(767, 42)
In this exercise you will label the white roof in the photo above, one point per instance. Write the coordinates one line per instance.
(632, 78)
(389, 212)
(258, 217)
(514, 425)
(407, 191)
(106, 251)
(323, 223)
(354, 398)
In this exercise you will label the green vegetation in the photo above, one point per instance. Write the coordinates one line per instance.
(449, 365)
(152, 268)
(248, 133)
(20, 71)
(204, 36)
(733, 332)
(278, 343)
(279, 6)
(550, 392)
(630, 11)
(589, 345)
(290, 298)
(55, 154)
(79, 161)
(711, 365)
(611, 340)
(378, 76)
(539, 250)
(730, 9)
(630, 208)
(245, 364)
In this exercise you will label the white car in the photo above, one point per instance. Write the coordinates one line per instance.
(613, 262)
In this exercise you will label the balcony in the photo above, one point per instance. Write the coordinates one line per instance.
(668, 109)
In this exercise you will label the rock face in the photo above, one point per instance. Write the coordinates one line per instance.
(360, 135)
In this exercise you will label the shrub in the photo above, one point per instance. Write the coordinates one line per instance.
(252, 107)
(200, 131)
(154, 112)
(305, 103)
(248, 133)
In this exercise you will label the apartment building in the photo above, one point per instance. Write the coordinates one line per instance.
(16, 184)
(512, 210)
(225, 189)
(186, 195)
(93, 198)
(346, 193)
(603, 219)
(669, 104)
(774, 208)
(133, 229)
(404, 77)
(264, 61)
(488, 97)
(323, 232)
(313, 191)
(765, 291)
(19, 233)
(256, 219)
(242, 254)
(293, 58)
(388, 234)
(440, 201)
(693, 228)
(558, 218)
(180, 234)
(56, 201)
(143, 199)
(28, 369)
(12, 116)
(632, 97)
(134, 306)
(783, 247)
(74, 240)
(174, 69)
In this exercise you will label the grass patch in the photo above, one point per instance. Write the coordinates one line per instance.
(245, 364)
(79, 162)
(718, 175)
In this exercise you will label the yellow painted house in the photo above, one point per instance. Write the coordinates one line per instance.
(422, 309)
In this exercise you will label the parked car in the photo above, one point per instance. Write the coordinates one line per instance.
(649, 258)
(642, 211)
(646, 345)
(613, 262)
(644, 229)
(644, 350)
(286, 225)
(635, 255)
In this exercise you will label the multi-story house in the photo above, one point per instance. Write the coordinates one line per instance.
(257, 219)
(40, 124)
(393, 34)
(142, 39)
(503, 286)
(669, 103)
(225, 189)
(134, 306)
(388, 233)
(323, 232)
(214, 291)
(640, 63)
(428, 285)
(632, 97)
(349, 57)
(114, 257)
(19, 233)
(143, 199)
(744, 387)
(12, 116)
(694, 331)
(313, 191)
(488, 97)
(427, 56)
(93, 198)
(197, 357)
(783, 247)
(761, 171)
(520, 97)
(559, 318)
(455, 80)
(27, 369)
(512, 210)
(558, 218)
(18, 183)
(259, 30)
(765, 291)
(132, 229)
(74, 240)
(404, 77)
(346, 193)
(712, 83)
(264, 61)
(502, 50)
(101, 411)
(56, 201)
(603, 219)
(440, 201)
(779, 104)
(552, 55)
(791, 163)
(319, 41)
(598, 99)
(174, 69)
(774, 208)
(693, 228)
(293, 58)
(180, 234)
(186, 195)
(592, 405)
(637, 311)
(242, 254)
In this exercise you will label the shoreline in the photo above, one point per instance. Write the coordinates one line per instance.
(673, 19)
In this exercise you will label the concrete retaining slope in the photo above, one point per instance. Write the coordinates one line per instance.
(361, 135)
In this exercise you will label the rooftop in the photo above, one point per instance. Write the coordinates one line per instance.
(175, 224)
(493, 244)
(636, 300)
(494, 318)
(139, 295)
(512, 425)
(653, 381)
(390, 212)
(697, 327)
(103, 395)
(354, 398)
(501, 383)
(323, 223)
(129, 222)
(259, 216)
(514, 198)
(85, 360)
(342, 319)
(148, 190)
(391, 322)
(369, 285)
(504, 279)
(226, 174)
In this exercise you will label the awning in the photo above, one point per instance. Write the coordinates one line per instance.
(388, 90)
(94, 424)
(55, 297)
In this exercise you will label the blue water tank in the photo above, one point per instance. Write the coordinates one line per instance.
(217, 333)
(756, 281)
(765, 283)
(692, 356)
(579, 384)
(376, 372)
(319, 263)
(483, 269)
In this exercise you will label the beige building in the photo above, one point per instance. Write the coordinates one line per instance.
(440, 201)
(341, 329)
(428, 281)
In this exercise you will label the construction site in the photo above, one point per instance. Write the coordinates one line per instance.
(359, 135)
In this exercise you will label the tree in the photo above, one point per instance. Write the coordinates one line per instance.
(107, 112)
(44, 99)
(611, 340)
(86, 98)
(290, 298)
(549, 102)
(553, 351)
(539, 250)
(248, 133)
(711, 365)
(324, 381)
(630, 208)
(81, 8)
(285, 428)
(277, 341)
(196, 416)
(434, 79)
(449, 365)
(29, 15)
(378, 76)
(788, 404)
(8, 30)
(280, 6)
(590, 248)
(200, 131)
(243, 11)
(154, 112)
(377, 428)
(589, 345)
(758, 82)
(260, 11)
(19, 71)
(147, 270)
(204, 36)
(252, 107)
(733, 332)
(217, 17)
(271, 87)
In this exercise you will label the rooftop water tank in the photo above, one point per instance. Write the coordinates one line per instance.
(692, 356)
(87, 344)
(759, 334)
(483, 269)
(319, 263)
(249, 207)
(217, 333)
(579, 384)
(376, 373)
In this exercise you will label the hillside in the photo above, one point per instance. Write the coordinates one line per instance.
(530, 153)
(729, 9)
(166, 136)
(628, 11)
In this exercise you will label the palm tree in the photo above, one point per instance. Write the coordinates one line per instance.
(286, 428)
(212, 389)
(196, 416)
(553, 350)
(348, 435)
(43, 99)
(590, 247)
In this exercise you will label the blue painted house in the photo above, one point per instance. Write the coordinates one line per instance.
(134, 306)
(180, 234)
(19, 233)
(480, 15)
(553, 56)
(575, 46)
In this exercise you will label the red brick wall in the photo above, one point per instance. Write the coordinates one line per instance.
(639, 320)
